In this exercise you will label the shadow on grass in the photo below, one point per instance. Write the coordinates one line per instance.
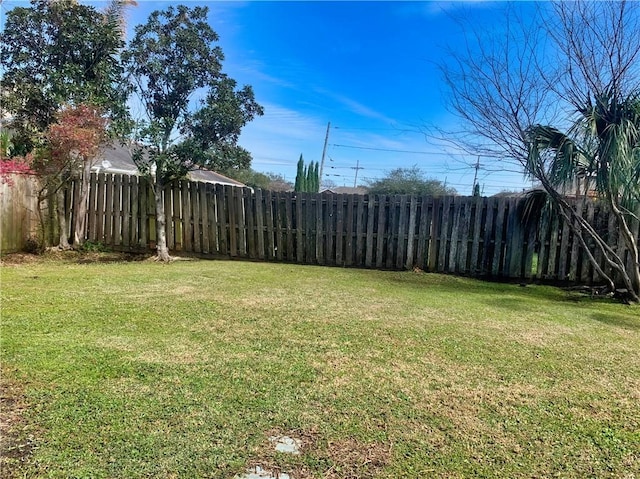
(618, 320)
(115, 257)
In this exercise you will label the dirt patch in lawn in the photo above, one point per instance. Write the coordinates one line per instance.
(340, 459)
(71, 256)
(16, 445)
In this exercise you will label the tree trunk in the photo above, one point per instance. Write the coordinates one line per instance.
(62, 220)
(162, 252)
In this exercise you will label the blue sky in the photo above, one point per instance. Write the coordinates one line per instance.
(369, 68)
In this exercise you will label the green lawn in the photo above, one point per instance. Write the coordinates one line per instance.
(142, 369)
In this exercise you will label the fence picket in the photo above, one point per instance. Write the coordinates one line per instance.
(383, 203)
(320, 241)
(371, 211)
(402, 233)
(360, 230)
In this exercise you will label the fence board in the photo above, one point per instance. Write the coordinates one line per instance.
(249, 211)
(514, 242)
(434, 240)
(117, 210)
(194, 196)
(309, 223)
(299, 228)
(280, 219)
(268, 212)
(349, 218)
(204, 217)
(213, 219)
(320, 238)
(391, 236)
(126, 210)
(402, 240)
(634, 226)
(339, 230)
(360, 230)
(232, 219)
(529, 273)
(455, 233)
(480, 205)
(109, 209)
(498, 236)
(444, 234)
(135, 213)
(260, 223)
(92, 210)
(563, 255)
(465, 226)
(586, 273)
(552, 271)
(221, 211)
(370, 238)
(574, 260)
(290, 253)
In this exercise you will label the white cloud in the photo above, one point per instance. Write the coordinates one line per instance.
(356, 107)
(277, 139)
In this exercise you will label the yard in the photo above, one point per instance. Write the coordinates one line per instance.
(139, 369)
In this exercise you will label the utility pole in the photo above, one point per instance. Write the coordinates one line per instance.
(475, 177)
(357, 168)
(324, 152)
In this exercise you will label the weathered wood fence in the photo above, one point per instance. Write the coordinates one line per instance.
(18, 211)
(474, 236)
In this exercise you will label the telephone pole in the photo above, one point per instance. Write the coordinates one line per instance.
(324, 152)
(357, 168)
(475, 177)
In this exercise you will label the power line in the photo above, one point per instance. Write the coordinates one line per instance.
(397, 130)
(401, 151)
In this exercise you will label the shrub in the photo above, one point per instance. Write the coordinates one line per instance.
(33, 245)
(94, 247)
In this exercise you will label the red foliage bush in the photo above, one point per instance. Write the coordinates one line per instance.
(11, 166)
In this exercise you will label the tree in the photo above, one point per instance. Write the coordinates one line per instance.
(604, 152)
(312, 183)
(10, 165)
(60, 59)
(307, 179)
(575, 121)
(172, 58)
(74, 142)
(265, 181)
(328, 184)
(408, 181)
(278, 182)
(56, 53)
(301, 177)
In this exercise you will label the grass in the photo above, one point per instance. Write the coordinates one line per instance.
(139, 369)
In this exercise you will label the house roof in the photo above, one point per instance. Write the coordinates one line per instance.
(358, 190)
(117, 159)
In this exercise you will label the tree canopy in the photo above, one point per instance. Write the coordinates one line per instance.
(255, 179)
(411, 181)
(307, 177)
(56, 53)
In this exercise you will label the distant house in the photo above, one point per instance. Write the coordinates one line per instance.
(347, 190)
(117, 159)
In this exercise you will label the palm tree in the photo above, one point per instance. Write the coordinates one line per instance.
(603, 149)
(116, 12)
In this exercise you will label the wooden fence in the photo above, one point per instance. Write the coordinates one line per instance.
(473, 236)
(18, 211)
